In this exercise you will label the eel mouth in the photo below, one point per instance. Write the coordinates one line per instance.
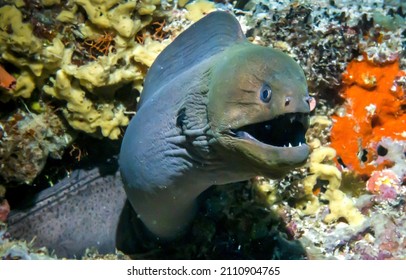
(287, 130)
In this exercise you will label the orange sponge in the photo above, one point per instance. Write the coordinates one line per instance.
(374, 108)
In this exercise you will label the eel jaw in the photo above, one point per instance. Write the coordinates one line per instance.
(285, 131)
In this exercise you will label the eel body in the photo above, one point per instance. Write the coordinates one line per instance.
(215, 109)
(80, 212)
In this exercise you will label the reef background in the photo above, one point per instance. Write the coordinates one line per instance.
(71, 73)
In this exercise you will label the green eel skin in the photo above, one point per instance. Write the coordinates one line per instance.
(215, 109)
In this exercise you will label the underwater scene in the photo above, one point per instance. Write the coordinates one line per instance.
(176, 129)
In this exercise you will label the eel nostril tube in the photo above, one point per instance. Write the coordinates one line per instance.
(312, 102)
(287, 101)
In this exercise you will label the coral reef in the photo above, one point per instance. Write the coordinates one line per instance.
(19, 250)
(381, 235)
(336, 215)
(385, 182)
(326, 36)
(358, 220)
(340, 206)
(79, 51)
(93, 254)
(80, 57)
(26, 141)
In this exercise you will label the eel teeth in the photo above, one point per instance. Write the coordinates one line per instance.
(287, 130)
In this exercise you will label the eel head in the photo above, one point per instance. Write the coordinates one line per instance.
(259, 109)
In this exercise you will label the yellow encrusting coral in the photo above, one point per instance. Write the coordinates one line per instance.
(267, 190)
(25, 85)
(321, 167)
(78, 59)
(341, 206)
(17, 43)
(198, 9)
(81, 112)
(109, 14)
(77, 65)
(22, 39)
(182, 3)
(50, 2)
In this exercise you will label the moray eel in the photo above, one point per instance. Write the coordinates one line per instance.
(80, 212)
(215, 109)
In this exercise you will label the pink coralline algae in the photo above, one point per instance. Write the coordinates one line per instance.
(385, 183)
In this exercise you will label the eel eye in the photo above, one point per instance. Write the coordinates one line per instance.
(266, 94)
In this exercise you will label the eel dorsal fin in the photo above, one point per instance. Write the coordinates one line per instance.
(207, 37)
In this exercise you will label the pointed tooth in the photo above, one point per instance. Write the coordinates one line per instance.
(300, 144)
(290, 145)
